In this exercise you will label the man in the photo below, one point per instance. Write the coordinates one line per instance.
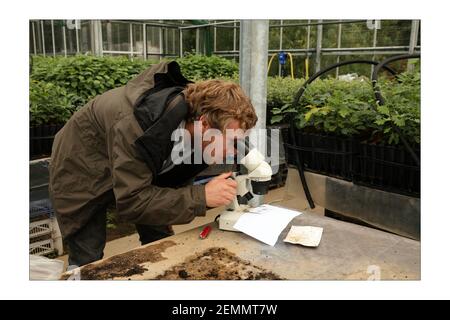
(117, 148)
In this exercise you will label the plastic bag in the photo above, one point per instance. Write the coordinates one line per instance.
(42, 268)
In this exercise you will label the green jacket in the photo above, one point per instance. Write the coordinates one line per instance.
(98, 150)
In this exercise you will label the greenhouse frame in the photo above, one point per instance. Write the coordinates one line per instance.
(311, 44)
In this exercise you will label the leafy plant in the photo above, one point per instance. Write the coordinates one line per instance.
(348, 108)
(84, 77)
(59, 85)
(333, 106)
(281, 91)
(49, 104)
(199, 67)
(279, 114)
(401, 108)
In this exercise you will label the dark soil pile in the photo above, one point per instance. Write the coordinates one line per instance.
(125, 264)
(217, 264)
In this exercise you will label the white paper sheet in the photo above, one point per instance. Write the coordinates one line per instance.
(305, 235)
(265, 222)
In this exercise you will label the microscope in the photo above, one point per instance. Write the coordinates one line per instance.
(251, 188)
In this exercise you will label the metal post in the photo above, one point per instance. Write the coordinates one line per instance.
(308, 42)
(144, 40)
(131, 40)
(109, 39)
(254, 42)
(53, 38)
(43, 38)
(374, 44)
(174, 35)
(413, 36)
(197, 40)
(64, 40)
(166, 40)
(93, 37)
(258, 79)
(413, 41)
(245, 55)
(215, 39)
(318, 45)
(308, 35)
(281, 46)
(34, 37)
(254, 45)
(339, 40)
(181, 43)
(76, 36)
(97, 38)
(161, 48)
(234, 38)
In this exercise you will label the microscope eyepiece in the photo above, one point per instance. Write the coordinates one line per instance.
(260, 187)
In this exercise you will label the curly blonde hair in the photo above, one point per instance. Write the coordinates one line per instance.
(220, 102)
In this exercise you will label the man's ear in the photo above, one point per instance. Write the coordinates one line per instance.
(205, 123)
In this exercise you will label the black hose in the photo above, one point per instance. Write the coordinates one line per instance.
(380, 100)
(376, 70)
(297, 155)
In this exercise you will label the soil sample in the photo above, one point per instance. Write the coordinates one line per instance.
(217, 264)
(125, 264)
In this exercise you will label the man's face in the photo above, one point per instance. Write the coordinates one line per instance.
(228, 139)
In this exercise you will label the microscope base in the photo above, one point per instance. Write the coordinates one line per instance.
(228, 219)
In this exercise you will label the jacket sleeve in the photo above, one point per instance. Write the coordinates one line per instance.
(137, 200)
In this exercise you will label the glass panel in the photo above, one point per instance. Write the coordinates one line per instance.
(224, 37)
(274, 35)
(273, 71)
(153, 56)
(30, 36)
(106, 35)
(138, 39)
(48, 37)
(394, 33)
(171, 41)
(176, 41)
(419, 32)
(206, 40)
(38, 34)
(356, 35)
(326, 61)
(299, 66)
(71, 39)
(85, 36)
(120, 36)
(330, 35)
(398, 66)
(295, 37)
(360, 69)
(126, 55)
(237, 36)
(59, 38)
(152, 40)
(189, 40)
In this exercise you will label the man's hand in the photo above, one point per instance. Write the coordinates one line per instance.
(220, 191)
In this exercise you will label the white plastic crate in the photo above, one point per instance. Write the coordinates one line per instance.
(41, 228)
(41, 248)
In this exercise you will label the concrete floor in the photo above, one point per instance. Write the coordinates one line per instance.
(291, 194)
